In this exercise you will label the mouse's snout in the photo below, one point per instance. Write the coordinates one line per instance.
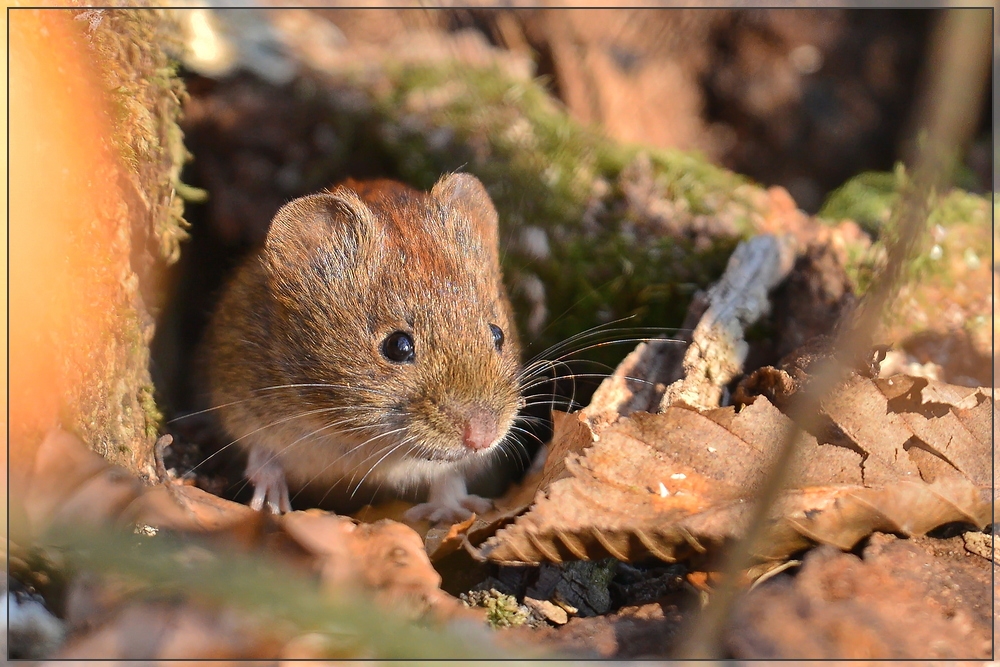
(477, 424)
(480, 429)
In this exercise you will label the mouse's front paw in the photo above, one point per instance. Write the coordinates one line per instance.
(448, 501)
(451, 510)
(268, 479)
(476, 504)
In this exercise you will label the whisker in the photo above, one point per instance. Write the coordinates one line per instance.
(323, 385)
(257, 430)
(300, 415)
(525, 432)
(529, 370)
(344, 455)
(600, 330)
(245, 400)
(541, 381)
(375, 465)
(576, 336)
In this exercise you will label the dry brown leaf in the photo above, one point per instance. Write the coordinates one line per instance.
(571, 433)
(72, 485)
(959, 437)
(385, 558)
(955, 396)
(459, 529)
(188, 509)
(177, 631)
(442, 541)
(899, 600)
(679, 483)
(904, 437)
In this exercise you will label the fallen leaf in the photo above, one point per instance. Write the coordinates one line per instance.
(72, 485)
(145, 631)
(571, 433)
(459, 529)
(897, 601)
(386, 559)
(442, 541)
(188, 509)
(958, 437)
(682, 482)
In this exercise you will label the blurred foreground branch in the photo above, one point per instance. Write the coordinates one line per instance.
(356, 627)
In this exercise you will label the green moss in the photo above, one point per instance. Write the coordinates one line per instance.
(872, 199)
(502, 610)
(151, 413)
(868, 199)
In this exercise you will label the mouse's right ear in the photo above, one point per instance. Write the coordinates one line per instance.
(338, 223)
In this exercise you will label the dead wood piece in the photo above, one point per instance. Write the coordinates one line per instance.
(636, 385)
(717, 350)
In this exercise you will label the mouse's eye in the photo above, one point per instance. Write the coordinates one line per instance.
(398, 347)
(497, 336)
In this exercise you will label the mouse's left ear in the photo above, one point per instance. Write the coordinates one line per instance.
(465, 200)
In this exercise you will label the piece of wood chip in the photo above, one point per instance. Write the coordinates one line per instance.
(737, 300)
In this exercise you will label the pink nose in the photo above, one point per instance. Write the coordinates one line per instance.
(480, 429)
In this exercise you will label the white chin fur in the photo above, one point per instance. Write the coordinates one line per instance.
(411, 473)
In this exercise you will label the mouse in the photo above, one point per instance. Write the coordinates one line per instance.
(369, 342)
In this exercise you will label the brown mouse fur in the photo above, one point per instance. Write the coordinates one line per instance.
(294, 350)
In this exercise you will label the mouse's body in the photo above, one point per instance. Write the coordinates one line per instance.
(370, 342)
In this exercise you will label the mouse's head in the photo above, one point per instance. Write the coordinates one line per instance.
(396, 312)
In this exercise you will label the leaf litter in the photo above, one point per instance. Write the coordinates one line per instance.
(678, 483)
(631, 477)
(117, 617)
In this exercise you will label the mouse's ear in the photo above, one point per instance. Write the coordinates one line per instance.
(338, 222)
(464, 199)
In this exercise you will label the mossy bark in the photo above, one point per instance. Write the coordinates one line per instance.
(116, 411)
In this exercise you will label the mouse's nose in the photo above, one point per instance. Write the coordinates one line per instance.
(480, 429)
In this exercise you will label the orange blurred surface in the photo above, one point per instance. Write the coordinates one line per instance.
(63, 188)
